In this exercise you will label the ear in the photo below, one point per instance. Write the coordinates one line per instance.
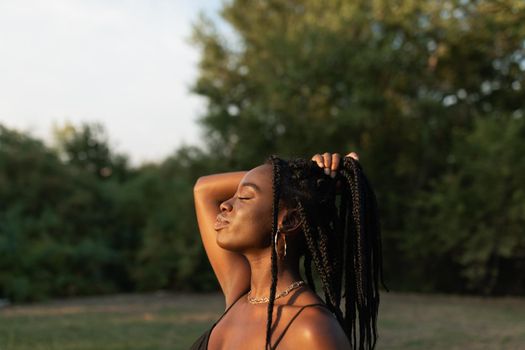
(290, 221)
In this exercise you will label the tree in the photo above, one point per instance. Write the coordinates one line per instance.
(472, 218)
(393, 81)
(53, 224)
(171, 254)
(87, 147)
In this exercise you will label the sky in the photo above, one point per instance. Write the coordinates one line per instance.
(127, 64)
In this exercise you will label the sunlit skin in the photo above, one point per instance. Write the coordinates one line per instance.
(234, 212)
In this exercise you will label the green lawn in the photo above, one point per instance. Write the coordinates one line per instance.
(166, 321)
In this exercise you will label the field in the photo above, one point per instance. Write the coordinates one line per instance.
(173, 321)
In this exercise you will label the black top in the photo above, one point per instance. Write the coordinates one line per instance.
(202, 342)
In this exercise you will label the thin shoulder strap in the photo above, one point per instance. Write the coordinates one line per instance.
(229, 307)
(293, 319)
(208, 334)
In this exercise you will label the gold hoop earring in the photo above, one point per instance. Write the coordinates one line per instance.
(275, 244)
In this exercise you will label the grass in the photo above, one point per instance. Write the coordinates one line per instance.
(175, 321)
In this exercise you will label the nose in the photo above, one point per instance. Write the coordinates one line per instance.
(225, 206)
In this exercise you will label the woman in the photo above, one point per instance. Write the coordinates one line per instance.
(256, 226)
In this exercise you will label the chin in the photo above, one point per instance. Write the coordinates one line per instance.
(225, 241)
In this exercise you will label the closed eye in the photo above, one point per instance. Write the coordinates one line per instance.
(244, 198)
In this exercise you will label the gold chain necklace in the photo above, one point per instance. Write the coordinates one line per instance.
(285, 292)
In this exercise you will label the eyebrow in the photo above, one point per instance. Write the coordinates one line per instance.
(251, 184)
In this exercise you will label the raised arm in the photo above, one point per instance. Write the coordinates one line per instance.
(232, 269)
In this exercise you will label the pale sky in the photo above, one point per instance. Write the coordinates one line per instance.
(125, 63)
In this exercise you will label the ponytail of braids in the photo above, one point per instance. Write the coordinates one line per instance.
(341, 228)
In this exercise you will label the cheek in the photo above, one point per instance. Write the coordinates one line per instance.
(260, 217)
(255, 223)
(253, 226)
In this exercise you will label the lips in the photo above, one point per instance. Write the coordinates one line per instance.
(220, 223)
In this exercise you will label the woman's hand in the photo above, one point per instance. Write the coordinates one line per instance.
(330, 161)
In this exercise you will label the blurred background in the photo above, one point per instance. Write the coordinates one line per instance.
(110, 111)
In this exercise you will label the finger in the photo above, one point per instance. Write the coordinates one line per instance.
(336, 159)
(327, 157)
(319, 160)
(353, 155)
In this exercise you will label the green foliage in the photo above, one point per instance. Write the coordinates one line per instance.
(171, 254)
(395, 81)
(88, 148)
(85, 223)
(474, 215)
(430, 93)
(52, 224)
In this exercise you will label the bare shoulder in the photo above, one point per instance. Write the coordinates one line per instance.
(318, 328)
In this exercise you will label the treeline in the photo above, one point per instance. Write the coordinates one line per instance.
(430, 94)
(77, 219)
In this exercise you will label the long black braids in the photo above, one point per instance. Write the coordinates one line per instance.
(341, 227)
(276, 186)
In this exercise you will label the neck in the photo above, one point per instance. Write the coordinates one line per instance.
(261, 273)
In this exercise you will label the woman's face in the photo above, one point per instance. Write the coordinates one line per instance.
(245, 222)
